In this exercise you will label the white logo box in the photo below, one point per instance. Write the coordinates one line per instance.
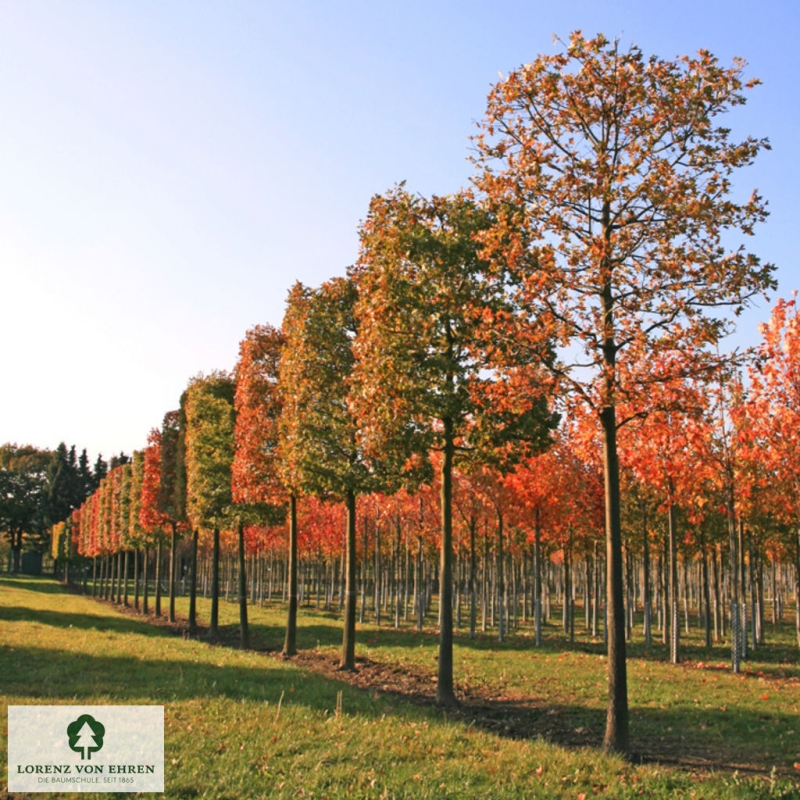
(86, 748)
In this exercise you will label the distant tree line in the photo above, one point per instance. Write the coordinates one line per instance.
(41, 487)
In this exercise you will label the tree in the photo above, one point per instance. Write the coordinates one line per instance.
(210, 419)
(610, 184)
(425, 376)
(23, 496)
(64, 485)
(151, 517)
(256, 486)
(135, 535)
(100, 471)
(85, 474)
(773, 418)
(172, 491)
(319, 447)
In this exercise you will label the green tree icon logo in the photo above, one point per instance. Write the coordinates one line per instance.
(86, 735)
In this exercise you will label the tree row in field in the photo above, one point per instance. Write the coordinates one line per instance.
(540, 352)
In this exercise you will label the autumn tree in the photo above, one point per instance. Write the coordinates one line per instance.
(135, 537)
(210, 419)
(172, 492)
(611, 185)
(424, 379)
(661, 449)
(319, 446)
(257, 490)
(151, 517)
(773, 418)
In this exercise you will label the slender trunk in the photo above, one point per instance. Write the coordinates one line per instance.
(243, 627)
(797, 587)
(616, 735)
(290, 643)
(706, 591)
(119, 576)
(418, 591)
(719, 615)
(674, 620)
(125, 584)
(500, 587)
(377, 568)
(445, 696)
(648, 633)
(742, 592)
(484, 579)
(537, 579)
(145, 581)
(363, 608)
(398, 574)
(193, 585)
(158, 579)
(213, 628)
(736, 631)
(472, 594)
(348, 660)
(173, 547)
(136, 578)
(598, 588)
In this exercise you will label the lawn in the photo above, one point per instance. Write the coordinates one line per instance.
(249, 724)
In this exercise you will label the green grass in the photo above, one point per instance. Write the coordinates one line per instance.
(248, 724)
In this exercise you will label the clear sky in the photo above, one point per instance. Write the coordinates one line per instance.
(168, 170)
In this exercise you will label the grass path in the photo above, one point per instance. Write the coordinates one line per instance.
(248, 724)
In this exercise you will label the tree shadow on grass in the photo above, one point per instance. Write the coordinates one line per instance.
(49, 675)
(70, 619)
(33, 583)
(701, 740)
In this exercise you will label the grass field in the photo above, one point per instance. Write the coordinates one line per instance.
(249, 724)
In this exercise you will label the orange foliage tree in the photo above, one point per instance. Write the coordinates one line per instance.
(773, 418)
(610, 185)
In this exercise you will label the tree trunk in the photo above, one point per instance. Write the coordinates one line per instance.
(145, 581)
(290, 642)
(136, 578)
(674, 619)
(472, 594)
(377, 569)
(173, 546)
(348, 659)
(706, 591)
(537, 579)
(445, 695)
(125, 584)
(736, 630)
(500, 583)
(398, 574)
(213, 628)
(243, 627)
(193, 585)
(616, 736)
(158, 579)
(648, 633)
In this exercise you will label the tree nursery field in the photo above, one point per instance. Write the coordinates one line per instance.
(529, 721)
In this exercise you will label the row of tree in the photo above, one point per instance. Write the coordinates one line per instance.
(585, 278)
(41, 487)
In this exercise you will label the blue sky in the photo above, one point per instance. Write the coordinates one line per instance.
(168, 170)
